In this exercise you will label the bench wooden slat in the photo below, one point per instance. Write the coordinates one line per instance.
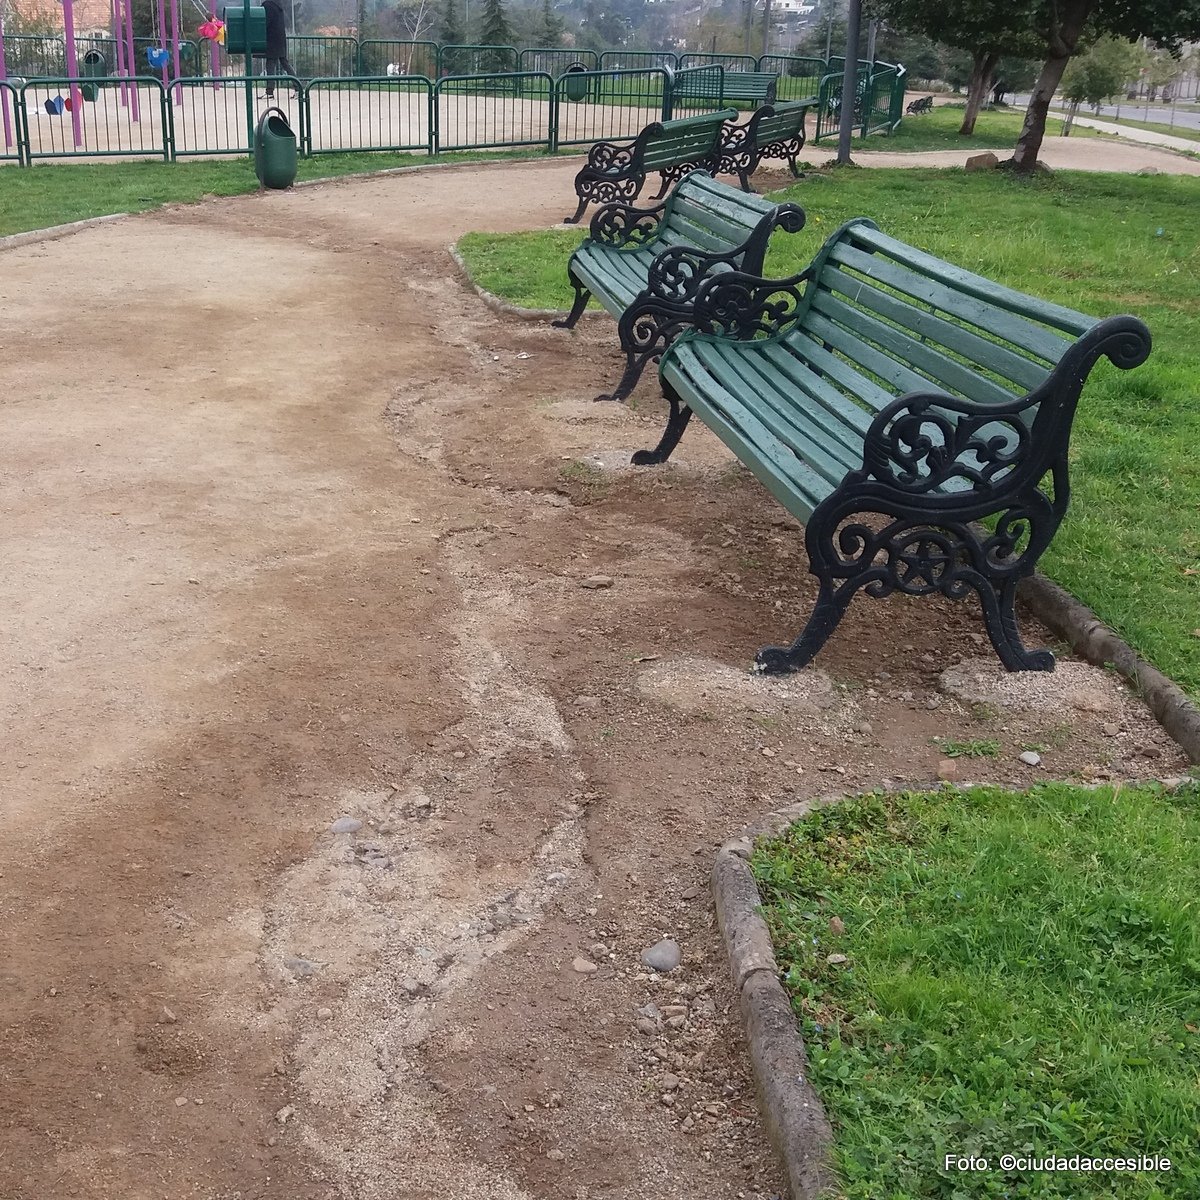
(668, 152)
(940, 370)
(852, 381)
(796, 426)
(899, 377)
(1019, 370)
(794, 484)
(1035, 309)
(847, 420)
(1014, 329)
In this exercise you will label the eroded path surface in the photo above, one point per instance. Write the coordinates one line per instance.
(295, 530)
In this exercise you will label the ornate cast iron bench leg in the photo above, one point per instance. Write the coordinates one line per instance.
(582, 296)
(677, 422)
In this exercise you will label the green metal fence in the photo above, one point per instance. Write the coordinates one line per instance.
(98, 124)
(384, 112)
(31, 57)
(731, 62)
(378, 56)
(475, 112)
(554, 61)
(323, 57)
(478, 60)
(619, 105)
(199, 116)
(697, 89)
(12, 131)
(877, 109)
(829, 102)
(628, 60)
(799, 78)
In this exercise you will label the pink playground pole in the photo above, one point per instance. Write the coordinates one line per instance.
(4, 91)
(73, 71)
(162, 37)
(135, 104)
(119, 51)
(174, 46)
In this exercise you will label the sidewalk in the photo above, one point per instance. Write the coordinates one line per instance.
(1148, 137)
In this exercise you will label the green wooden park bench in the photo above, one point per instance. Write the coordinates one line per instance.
(756, 87)
(891, 402)
(645, 264)
(773, 131)
(617, 170)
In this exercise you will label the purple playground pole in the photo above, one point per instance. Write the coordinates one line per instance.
(135, 104)
(119, 43)
(4, 91)
(73, 70)
(214, 52)
(174, 45)
(162, 36)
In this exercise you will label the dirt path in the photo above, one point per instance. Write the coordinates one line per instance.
(295, 531)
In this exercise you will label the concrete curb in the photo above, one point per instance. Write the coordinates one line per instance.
(54, 232)
(792, 1112)
(1093, 641)
(495, 303)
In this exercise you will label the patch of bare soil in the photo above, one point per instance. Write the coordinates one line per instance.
(336, 811)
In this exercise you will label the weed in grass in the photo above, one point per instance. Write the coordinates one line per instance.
(977, 748)
(588, 483)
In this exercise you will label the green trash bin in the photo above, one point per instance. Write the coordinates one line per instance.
(93, 65)
(237, 34)
(275, 156)
(576, 87)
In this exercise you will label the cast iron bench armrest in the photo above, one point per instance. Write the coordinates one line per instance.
(622, 225)
(738, 306)
(612, 157)
(678, 273)
(925, 440)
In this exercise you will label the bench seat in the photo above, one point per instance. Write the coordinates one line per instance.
(616, 171)
(645, 264)
(773, 131)
(891, 401)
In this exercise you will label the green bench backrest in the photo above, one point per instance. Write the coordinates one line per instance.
(684, 140)
(709, 216)
(785, 123)
(911, 320)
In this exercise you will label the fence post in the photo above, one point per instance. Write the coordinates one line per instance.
(554, 111)
(167, 111)
(305, 119)
(668, 102)
(435, 91)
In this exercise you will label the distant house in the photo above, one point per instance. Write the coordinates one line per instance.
(91, 16)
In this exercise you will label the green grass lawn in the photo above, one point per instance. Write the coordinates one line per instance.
(55, 193)
(1130, 547)
(1021, 975)
(995, 129)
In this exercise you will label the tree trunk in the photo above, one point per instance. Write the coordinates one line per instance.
(1072, 17)
(1069, 123)
(1029, 144)
(982, 70)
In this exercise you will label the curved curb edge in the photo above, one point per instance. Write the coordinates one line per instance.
(54, 232)
(1096, 643)
(504, 307)
(792, 1112)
